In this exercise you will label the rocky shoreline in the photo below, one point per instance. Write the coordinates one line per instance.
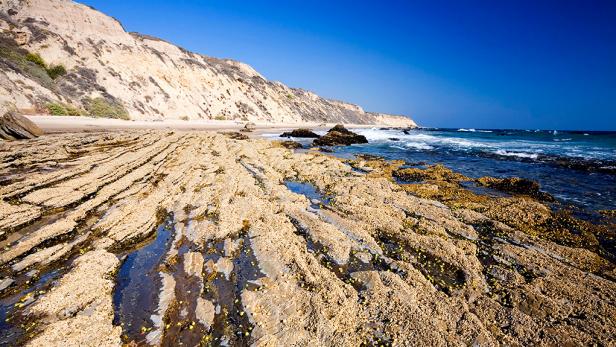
(258, 244)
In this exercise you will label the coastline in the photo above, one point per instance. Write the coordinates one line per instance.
(193, 201)
(61, 124)
(310, 248)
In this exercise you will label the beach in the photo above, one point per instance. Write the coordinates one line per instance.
(167, 236)
(59, 124)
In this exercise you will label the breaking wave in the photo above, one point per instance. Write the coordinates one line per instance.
(472, 130)
(517, 154)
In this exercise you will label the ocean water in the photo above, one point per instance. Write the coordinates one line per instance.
(576, 167)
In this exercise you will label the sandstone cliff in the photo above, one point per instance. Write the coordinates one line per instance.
(139, 76)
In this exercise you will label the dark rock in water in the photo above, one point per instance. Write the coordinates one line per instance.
(16, 127)
(339, 136)
(580, 164)
(606, 166)
(249, 127)
(407, 131)
(326, 150)
(516, 185)
(339, 128)
(307, 133)
(394, 139)
(291, 144)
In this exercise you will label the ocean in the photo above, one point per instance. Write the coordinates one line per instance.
(577, 167)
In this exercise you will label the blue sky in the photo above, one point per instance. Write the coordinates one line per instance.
(483, 64)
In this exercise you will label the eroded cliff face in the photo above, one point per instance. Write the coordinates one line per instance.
(151, 78)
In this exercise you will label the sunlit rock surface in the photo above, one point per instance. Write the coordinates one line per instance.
(248, 261)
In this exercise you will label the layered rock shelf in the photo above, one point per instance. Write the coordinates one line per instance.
(237, 241)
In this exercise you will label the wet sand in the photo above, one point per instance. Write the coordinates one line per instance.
(217, 240)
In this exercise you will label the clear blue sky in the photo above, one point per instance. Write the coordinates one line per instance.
(483, 64)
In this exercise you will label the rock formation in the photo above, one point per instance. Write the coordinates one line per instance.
(303, 133)
(339, 135)
(249, 127)
(16, 127)
(516, 185)
(66, 58)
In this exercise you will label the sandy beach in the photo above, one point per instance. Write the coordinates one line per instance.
(59, 124)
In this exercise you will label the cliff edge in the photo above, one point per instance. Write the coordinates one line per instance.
(62, 57)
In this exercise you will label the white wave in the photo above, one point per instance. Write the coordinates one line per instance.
(458, 142)
(421, 141)
(471, 130)
(518, 148)
(517, 154)
(270, 134)
(463, 143)
(418, 145)
(378, 135)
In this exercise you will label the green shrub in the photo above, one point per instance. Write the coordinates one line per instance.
(28, 63)
(57, 109)
(56, 71)
(24, 62)
(73, 111)
(36, 59)
(101, 107)
(184, 118)
(220, 117)
(53, 71)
